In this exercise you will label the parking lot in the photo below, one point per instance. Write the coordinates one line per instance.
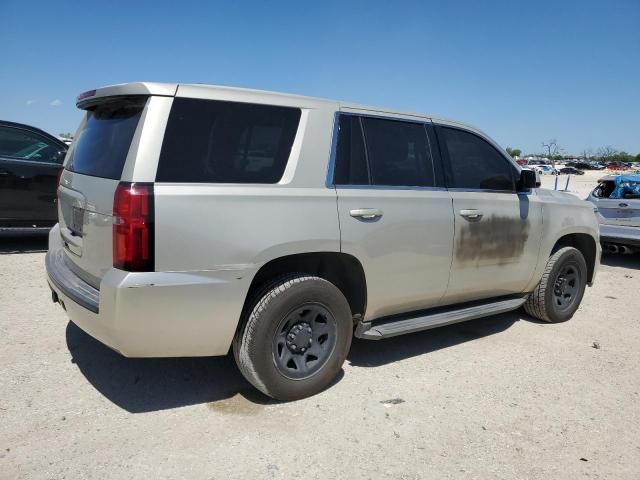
(501, 397)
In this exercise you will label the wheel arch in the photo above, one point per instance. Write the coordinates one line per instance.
(583, 242)
(341, 269)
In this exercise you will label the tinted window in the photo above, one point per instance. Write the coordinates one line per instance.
(474, 163)
(398, 153)
(226, 142)
(20, 144)
(351, 163)
(102, 145)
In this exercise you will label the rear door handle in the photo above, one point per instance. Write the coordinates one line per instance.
(366, 213)
(472, 215)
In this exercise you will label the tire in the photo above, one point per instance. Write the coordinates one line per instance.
(295, 337)
(559, 293)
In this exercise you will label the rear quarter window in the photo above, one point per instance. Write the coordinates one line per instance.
(102, 145)
(209, 141)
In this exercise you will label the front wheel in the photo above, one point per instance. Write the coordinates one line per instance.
(560, 291)
(295, 338)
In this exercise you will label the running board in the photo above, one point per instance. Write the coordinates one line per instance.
(392, 327)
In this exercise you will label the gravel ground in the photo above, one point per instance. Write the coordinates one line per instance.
(503, 397)
(579, 185)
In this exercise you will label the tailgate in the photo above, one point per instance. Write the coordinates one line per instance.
(619, 211)
(85, 217)
(93, 169)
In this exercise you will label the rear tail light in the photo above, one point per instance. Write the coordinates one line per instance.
(133, 233)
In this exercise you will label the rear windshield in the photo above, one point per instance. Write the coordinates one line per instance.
(102, 145)
(226, 142)
(623, 189)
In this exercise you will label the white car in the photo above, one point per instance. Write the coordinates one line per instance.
(617, 198)
(546, 170)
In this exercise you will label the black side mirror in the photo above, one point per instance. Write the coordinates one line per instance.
(528, 180)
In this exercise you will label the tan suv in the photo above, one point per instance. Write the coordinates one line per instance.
(194, 219)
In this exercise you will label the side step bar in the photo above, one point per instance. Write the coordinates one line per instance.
(391, 327)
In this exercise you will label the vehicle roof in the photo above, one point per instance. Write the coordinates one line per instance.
(8, 123)
(631, 177)
(171, 89)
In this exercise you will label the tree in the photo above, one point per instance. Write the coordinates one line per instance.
(623, 156)
(66, 135)
(586, 153)
(514, 152)
(606, 154)
(551, 150)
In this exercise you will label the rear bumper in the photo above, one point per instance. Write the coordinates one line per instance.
(69, 284)
(152, 314)
(620, 234)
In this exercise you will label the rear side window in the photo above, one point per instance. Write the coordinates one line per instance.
(211, 141)
(474, 163)
(101, 147)
(351, 164)
(396, 154)
(20, 144)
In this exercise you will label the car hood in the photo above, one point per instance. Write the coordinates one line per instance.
(564, 197)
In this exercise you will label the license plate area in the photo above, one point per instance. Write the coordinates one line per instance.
(77, 221)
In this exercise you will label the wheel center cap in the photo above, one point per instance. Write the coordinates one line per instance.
(299, 337)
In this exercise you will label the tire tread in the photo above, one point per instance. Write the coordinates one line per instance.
(536, 301)
(243, 341)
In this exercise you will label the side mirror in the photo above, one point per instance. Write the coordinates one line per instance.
(528, 179)
(59, 157)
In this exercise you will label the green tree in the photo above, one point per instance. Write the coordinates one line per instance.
(514, 152)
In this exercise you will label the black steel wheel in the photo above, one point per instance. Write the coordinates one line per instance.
(295, 337)
(559, 293)
(566, 286)
(304, 341)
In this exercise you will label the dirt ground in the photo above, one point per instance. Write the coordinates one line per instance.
(579, 185)
(504, 397)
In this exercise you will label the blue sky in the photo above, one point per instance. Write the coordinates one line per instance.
(522, 72)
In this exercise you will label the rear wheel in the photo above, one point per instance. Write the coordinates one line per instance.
(560, 291)
(295, 338)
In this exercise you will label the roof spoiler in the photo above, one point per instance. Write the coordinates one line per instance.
(92, 97)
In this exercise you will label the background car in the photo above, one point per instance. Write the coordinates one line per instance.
(617, 198)
(571, 171)
(546, 170)
(615, 166)
(30, 162)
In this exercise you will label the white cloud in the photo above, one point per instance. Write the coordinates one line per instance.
(56, 103)
(30, 102)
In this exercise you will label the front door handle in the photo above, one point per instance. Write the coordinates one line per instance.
(366, 213)
(472, 215)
